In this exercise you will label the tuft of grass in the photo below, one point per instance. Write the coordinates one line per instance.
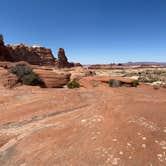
(73, 84)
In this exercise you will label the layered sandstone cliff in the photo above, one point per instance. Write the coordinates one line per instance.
(34, 55)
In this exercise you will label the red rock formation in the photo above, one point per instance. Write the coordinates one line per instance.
(77, 65)
(62, 59)
(4, 54)
(52, 79)
(34, 55)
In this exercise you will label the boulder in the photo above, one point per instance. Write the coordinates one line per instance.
(52, 79)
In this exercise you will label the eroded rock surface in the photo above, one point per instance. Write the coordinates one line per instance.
(52, 79)
(4, 54)
(62, 60)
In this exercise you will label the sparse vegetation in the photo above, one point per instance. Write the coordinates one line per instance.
(73, 84)
(115, 83)
(135, 83)
(26, 75)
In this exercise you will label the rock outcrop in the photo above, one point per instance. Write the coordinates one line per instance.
(62, 60)
(52, 79)
(34, 55)
(79, 73)
(4, 54)
(105, 81)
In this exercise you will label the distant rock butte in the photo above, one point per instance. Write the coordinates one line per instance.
(62, 60)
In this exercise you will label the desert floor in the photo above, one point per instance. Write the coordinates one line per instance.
(90, 126)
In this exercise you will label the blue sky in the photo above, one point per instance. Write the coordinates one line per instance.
(91, 31)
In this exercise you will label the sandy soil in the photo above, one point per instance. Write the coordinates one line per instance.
(92, 126)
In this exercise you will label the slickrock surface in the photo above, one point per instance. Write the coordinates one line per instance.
(53, 79)
(92, 126)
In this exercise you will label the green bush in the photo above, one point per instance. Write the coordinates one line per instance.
(135, 83)
(26, 75)
(114, 83)
(73, 84)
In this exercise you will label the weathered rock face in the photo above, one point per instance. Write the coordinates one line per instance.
(52, 79)
(77, 65)
(62, 59)
(34, 55)
(4, 54)
(1, 40)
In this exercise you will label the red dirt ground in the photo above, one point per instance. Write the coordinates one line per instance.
(91, 126)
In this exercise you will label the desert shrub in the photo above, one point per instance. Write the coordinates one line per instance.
(135, 83)
(114, 83)
(26, 75)
(73, 84)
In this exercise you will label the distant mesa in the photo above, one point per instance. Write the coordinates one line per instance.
(34, 55)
